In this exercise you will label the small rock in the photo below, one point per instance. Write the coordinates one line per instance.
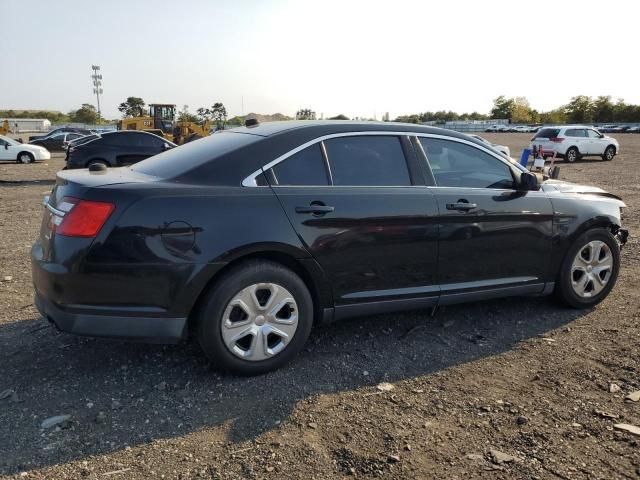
(7, 278)
(474, 456)
(522, 420)
(385, 387)
(63, 421)
(6, 393)
(633, 396)
(313, 425)
(603, 414)
(116, 405)
(614, 388)
(89, 404)
(407, 447)
(161, 386)
(100, 417)
(269, 468)
(352, 471)
(625, 427)
(365, 373)
(576, 425)
(393, 458)
(499, 457)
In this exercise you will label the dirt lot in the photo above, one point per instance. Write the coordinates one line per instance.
(523, 377)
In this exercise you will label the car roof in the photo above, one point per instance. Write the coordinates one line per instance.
(326, 127)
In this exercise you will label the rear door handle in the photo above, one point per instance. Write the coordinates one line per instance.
(315, 209)
(462, 206)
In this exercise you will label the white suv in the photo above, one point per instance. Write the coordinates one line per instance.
(572, 142)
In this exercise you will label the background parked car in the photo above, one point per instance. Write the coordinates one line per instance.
(497, 128)
(83, 131)
(56, 142)
(116, 149)
(21, 152)
(573, 142)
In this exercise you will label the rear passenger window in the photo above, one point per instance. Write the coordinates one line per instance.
(456, 164)
(306, 167)
(371, 160)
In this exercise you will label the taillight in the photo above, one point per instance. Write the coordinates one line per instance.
(80, 218)
(556, 139)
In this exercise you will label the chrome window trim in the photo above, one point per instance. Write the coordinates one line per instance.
(250, 181)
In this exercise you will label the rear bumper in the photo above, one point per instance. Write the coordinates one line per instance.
(105, 324)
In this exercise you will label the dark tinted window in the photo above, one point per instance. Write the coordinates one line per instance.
(303, 168)
(116, 138)
(367, 160)
(547, 133)
(178, 161)
(148, 140)
(456, 164)
(576, 132)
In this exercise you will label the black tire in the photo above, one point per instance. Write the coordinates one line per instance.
(25, 158)
(564, 290)
(572, 155)
(609, 153)
(210, 316)
(97, 162)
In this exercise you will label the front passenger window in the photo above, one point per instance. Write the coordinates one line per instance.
(456, 164)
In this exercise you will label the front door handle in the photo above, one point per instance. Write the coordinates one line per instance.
(315, 209)
(461, 206)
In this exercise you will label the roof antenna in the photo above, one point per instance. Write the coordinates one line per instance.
(251, 122)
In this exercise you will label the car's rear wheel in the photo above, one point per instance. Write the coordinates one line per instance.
(255, 319)
(96, 162)
(609, 153)
(589, 270)
(572, 155)
(25, 157)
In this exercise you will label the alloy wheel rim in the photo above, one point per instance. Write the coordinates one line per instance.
(572, 155)
(24, 158)
(591, 269)
(259, 321)
(609, 153)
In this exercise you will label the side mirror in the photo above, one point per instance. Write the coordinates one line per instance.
(529, 181)
(6, 146)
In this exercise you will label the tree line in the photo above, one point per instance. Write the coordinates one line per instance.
(580, 109)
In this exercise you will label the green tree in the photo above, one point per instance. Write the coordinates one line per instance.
(204, 114)
(85, 114)
(133, 107)
(186, 116)
(556, 116)
(219, 114)
(339, 117)
(305, 114)
(580, 109)
(603, 109)
(502, 107)
(521, 111)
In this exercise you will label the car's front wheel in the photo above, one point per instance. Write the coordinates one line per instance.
(572, 155)
(25, 157)
(255, 318)
(609, 153)
(589, 270)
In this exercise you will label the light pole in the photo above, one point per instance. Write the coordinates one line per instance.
(97, 85)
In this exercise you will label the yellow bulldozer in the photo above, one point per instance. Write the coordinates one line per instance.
(4, 129)
(161, 121)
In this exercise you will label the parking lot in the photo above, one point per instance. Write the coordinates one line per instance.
(513, 388)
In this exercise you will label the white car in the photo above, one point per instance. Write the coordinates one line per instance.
(21, 152)
(573, 142)
(522, 129)
(501, 148)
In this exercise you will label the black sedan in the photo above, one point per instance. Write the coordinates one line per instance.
(56, 142)
(115, 149)
(247, 238)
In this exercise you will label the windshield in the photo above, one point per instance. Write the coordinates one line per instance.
(10, 141)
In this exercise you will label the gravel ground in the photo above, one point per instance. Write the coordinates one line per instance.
(515, 388)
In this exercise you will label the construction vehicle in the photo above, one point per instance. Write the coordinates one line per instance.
(161, 122)
(4, 129)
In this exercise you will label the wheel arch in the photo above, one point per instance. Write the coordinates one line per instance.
(27, 152)
(97, 159)
(306, 268)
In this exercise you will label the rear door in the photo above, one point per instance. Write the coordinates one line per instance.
(492, 237)
(357, 203)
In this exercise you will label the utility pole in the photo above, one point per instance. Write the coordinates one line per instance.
(97, 85)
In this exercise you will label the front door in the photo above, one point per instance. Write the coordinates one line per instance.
(355, 205)
(492, 236)
(6, 151)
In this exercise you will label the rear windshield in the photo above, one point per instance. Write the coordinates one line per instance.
(179, 160)
(548, 133)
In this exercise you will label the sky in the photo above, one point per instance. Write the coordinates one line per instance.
(356, 57)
